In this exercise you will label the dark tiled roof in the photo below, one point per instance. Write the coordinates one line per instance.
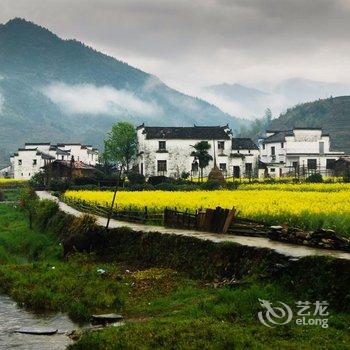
(279, 136)
(187, 133)
(243, 143)
(261, 165)
(76, 164)
(69, 144)
(343, 159)
(44, 155)
(37, 143)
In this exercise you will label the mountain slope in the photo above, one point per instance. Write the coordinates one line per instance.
(61, 90)
(244, 100)
(236, 91)
(332, 114)
(249, 101)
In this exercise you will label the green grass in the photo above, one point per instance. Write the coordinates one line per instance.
(164, 309)
(197, 317)
(18, 244)
(11, 194)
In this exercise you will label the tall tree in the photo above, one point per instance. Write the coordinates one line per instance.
(120, 145)
(202, 155)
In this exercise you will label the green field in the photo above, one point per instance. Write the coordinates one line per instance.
(163, 308)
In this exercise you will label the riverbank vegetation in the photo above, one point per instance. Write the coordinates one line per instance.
(163, 307)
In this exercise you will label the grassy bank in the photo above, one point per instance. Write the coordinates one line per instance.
(164, 307)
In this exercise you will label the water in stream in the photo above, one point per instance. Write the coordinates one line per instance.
(12, 318)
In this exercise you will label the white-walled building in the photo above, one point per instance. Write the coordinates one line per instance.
(33, 157)
(167, 151)
(301, 150)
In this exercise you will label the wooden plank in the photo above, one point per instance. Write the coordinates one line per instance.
(230, 217)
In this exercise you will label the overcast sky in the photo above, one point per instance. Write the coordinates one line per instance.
(193, 43)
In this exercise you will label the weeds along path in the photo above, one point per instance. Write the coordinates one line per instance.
(258, 242)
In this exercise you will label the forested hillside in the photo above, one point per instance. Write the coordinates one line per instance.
(332, 114)
(61, 90)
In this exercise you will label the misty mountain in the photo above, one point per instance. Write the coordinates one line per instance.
(247, 101)
(236, 91)
(298, 90)
(61, 90)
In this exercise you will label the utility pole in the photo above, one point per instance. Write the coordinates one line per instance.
(113, 200)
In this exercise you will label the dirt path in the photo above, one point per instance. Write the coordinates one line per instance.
(292, 250)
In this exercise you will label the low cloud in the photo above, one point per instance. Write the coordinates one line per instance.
(251, 110)
(91, 99)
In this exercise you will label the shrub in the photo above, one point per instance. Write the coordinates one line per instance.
(166, 186)
(139, 187)
(232, 185)
(79, 312)
(136, 178)
(185, 175)
(209, 186)
(315, 178)
(45, 210)
(58, 185)
(37, 180)
(28, 201)
(81, 181)
(156, 180)
(83, 225)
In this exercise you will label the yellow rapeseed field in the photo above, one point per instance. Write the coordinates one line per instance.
(304, 207)
(10, 182)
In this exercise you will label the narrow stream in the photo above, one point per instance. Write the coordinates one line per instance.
(12, 318)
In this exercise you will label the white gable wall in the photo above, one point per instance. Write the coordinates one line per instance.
(178, 156)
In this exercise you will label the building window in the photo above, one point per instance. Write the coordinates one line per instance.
(161, 165)
(312, 164)
(273, 151)
(223, 167)
(282, 144)
(295, 165)
(141, 170)
(34, 162)
(272, 170)
(19, 161)
(221, 145)
(330, 164)
(162, 145)
(263, 146)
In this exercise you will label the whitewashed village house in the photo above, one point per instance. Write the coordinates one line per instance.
(299, 151)
(167, 151)
(33, 157)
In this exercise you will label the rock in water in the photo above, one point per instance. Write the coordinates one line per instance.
(106, 318)
(37, 330)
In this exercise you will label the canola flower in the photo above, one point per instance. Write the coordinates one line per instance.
(308, 209)
(9, 182)
(303, 187)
